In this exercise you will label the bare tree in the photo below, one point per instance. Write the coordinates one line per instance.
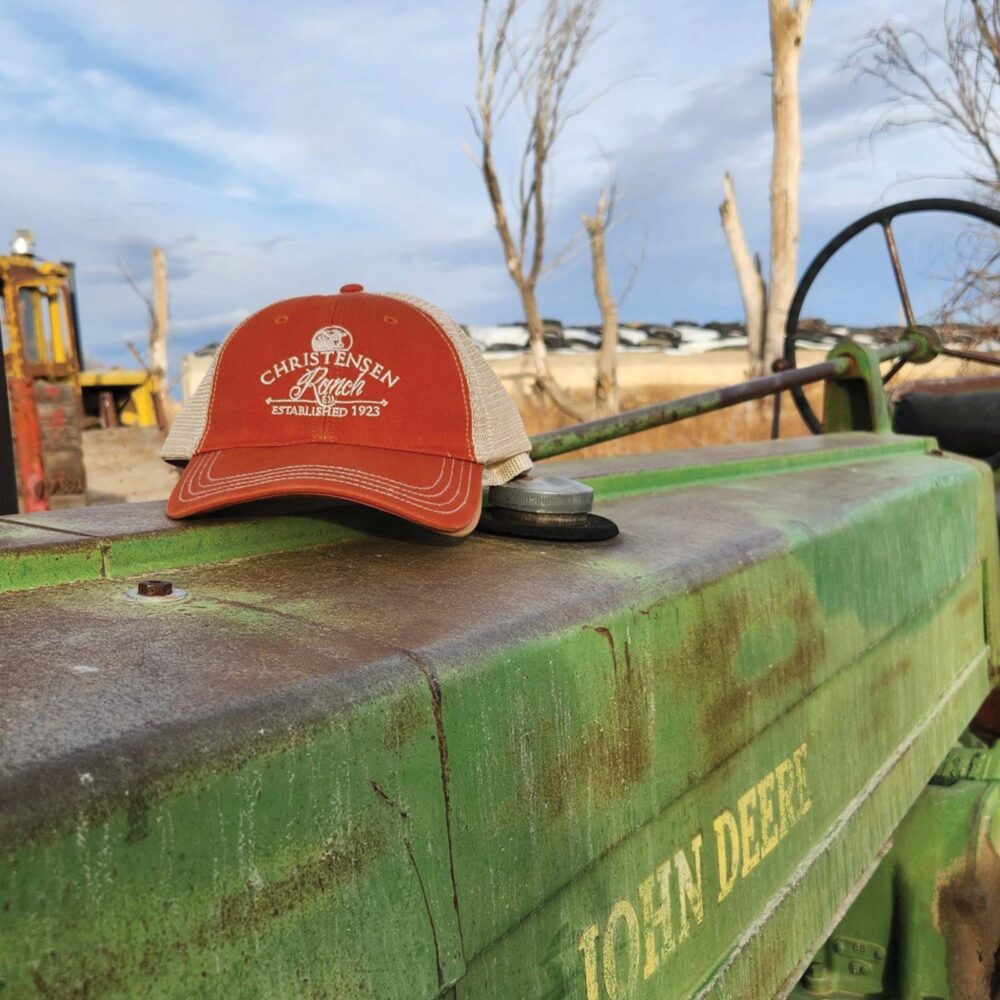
(596, 226)
(156, 306)
(766, 306)
(536, 70)
(753, 288)
(952, 85)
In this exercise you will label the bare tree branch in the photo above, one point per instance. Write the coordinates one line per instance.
(635, 266)
(752, 288)
(951, 86)
(766, 305)
(137, 288)
(539, 71)
(606, 384)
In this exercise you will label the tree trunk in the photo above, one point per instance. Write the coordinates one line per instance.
(751, 281)
(543, 376)
(788, 24)
(158, 329)
(158, 337)
(606, 390)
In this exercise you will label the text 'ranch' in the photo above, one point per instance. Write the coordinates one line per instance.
(656, 918)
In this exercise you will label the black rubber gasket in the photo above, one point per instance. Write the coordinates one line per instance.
(589, 528)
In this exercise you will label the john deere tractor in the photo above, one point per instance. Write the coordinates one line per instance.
(717, 723)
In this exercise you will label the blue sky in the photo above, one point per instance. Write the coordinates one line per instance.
(276, 150)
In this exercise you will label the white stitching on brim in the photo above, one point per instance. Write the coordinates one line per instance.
(191, 489)
(204, 473)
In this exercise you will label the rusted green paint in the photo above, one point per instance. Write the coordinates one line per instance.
(299, 858)
(35, 557)
(928, 922)
(399, 765)
(117, 542)
(620, 481)
(710, 706)
(856, 400)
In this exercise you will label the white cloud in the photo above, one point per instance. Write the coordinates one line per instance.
(275, 153)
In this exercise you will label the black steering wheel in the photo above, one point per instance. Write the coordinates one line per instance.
(882, 217)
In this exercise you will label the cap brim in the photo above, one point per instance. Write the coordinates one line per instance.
(440, 493)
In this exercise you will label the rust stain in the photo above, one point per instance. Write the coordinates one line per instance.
(969, 914)
(889, 678)
(405, 719)
(249, 909)
(716, 642)
(612, 754)
(103, 971)
(986, 723)
(136, 817)
(606, 632)
(969, 602)
(434, 685)
(404, 815)
(874, 723)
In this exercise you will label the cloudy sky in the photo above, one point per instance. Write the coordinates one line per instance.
(276, 150)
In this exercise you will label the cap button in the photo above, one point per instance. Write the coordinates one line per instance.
(352, 288)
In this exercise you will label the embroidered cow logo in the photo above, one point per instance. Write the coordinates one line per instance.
(332, 338)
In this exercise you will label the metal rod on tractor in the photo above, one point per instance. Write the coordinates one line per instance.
(967, 355)
(591, 432)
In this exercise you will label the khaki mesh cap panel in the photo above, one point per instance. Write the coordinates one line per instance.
(497, 431)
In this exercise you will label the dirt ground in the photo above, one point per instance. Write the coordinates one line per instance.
(124, 464)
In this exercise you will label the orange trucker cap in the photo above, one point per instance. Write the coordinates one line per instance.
(380, 399)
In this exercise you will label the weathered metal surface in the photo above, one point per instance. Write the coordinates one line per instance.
(60, 417)
(135, 539)
(966, 354)
(856, 400)
(31, 556)
(28, 445)
(8, 458)
(959, 385)
(928, 922)
(396, 764)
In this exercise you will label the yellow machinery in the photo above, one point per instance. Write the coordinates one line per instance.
(51, 399)
(132, 391)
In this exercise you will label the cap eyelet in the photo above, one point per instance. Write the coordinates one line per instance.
(279, 320)
(391, 320)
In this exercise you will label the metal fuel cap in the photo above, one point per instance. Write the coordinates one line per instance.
(545, 507)
(543, 495)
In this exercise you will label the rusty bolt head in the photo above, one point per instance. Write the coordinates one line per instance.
(816, 974)
(779, 365)
(155, 588)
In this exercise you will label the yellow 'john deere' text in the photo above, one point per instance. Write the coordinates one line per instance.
(648, 926)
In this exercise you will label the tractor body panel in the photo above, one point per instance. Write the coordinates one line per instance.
(360, 760)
